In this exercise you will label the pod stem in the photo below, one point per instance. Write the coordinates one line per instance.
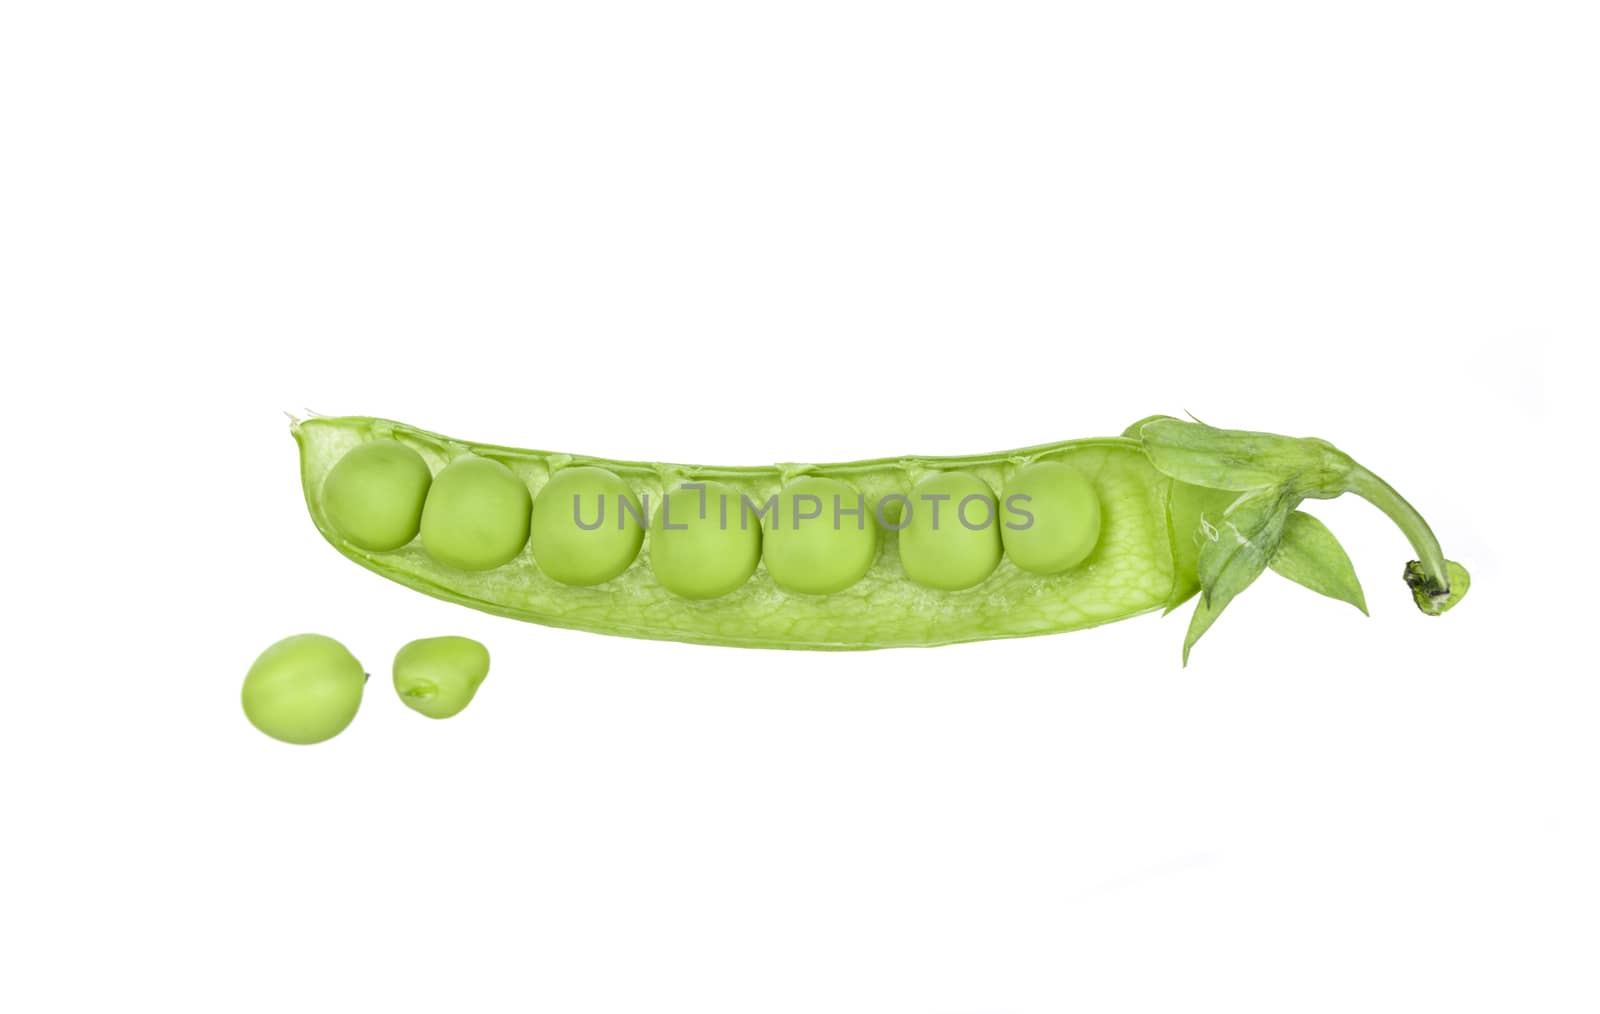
(1272, 475)
(1430, 558)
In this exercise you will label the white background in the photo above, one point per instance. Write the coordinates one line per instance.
(741, 233)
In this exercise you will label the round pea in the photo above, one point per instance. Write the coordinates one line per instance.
(476, 516)
(951, 539)
(702, 544)
(586, 526)
(304, 689)
(1050, 517)
(437, 676)
(809, 542)
(373, 495)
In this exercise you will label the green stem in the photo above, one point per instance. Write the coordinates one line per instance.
(1256, 464)
(1384, 497)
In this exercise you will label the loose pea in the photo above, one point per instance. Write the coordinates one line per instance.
(476, 515)
(1057, 525)
(587, 526)
(303, 689)
(820, 538)
(702, 545)
(374, 494)
(952, 539)
(437, 676)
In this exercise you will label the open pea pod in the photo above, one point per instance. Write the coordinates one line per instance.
(1037, 540)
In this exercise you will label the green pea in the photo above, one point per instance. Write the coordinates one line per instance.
(476, 515)
(819, 538)
(702, 545)
(437, 676)
(951, 539)
(374, 494)
(587, 526)
(304, 689)
(1050, 517)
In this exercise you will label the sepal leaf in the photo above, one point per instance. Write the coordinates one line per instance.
(1203, 456)
(1132, 432)
(1310, 556)
(1241, 545)
(1199, 622)
(1237, 551)
(1241, 460)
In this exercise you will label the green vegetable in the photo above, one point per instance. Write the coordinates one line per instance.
(1084, 532)
(587, 526)
(1064, 514)
(817, 538)
(303, 689)
(950, 537)
(699, 548)
(374, 494)
(438, 676)
(476, 515)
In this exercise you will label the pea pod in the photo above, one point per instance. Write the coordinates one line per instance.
(843, 556)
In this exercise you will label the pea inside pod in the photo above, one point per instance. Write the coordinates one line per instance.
(374, 495)
(703, 543)
(950, 532)
(1052, 518)
(476, 515)
(817, 536)
(587, 526)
